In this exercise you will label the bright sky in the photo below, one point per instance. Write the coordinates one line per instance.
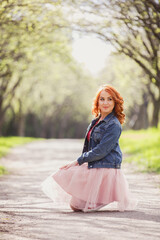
(91, 52)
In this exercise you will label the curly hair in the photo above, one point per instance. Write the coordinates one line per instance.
(118, 100)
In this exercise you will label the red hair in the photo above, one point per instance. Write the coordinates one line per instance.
(118, 100)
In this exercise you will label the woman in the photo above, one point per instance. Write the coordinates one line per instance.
(95, 179)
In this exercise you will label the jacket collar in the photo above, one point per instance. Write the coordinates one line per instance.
(108, 117)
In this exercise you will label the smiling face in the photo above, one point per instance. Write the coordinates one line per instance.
(105, 103)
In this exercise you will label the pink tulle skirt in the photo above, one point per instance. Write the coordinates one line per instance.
(87, 188)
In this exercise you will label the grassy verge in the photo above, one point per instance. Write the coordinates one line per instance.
(6, 143)
(142, 147)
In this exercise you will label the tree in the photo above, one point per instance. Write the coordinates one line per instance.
(133, 27)
(136, 101)
(26, 28)
(53, 100)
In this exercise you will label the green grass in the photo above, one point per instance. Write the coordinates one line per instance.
(3, 170)
(6, 143)
(143, 148)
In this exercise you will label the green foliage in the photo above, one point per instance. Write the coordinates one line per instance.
(8, 142)
(128, 78)
(122, 78)
(29, 29)
(143, 147)
(38, 76)
(132, 27)
(3, 170)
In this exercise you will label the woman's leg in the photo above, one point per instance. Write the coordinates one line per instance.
(75, 209)
(76, 204)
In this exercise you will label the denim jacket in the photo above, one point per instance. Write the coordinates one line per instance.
(103, 150)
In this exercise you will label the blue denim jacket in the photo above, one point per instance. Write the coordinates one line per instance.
(103, 150)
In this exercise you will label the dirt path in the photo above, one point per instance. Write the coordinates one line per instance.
(26, 213)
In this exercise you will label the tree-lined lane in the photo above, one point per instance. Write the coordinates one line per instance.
(26, 213)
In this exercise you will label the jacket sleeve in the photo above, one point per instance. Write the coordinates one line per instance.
(107, 143)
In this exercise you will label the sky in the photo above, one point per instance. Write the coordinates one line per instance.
(91, 52)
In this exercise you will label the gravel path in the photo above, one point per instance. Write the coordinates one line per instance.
(26, 213)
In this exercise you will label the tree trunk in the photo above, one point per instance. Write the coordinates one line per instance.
(1, 122)
(63, 124)
(155, 116)
(1, 119)
(43, 131)
(21, 126)
(139, 115)
(21, 120)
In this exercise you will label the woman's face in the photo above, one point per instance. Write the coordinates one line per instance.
(106, 103)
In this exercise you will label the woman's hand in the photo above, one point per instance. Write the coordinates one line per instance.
(74, 163)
